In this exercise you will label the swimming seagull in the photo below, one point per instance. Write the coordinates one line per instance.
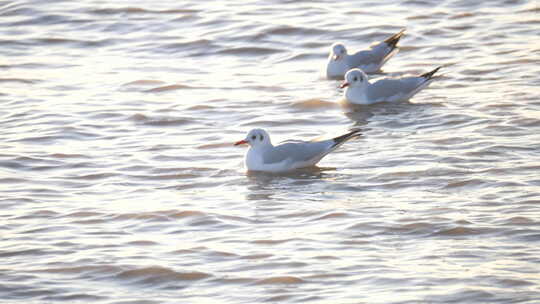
(360, 91)
(369, 60)
(289, 155)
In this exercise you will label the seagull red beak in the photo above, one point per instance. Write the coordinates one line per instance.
(335, 57)
(343, 85)
(241, 142)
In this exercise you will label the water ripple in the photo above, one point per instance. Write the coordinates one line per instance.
(119, 173)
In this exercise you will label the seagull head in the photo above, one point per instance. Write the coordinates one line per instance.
(255, 138)
(354, 78)
(338, 51)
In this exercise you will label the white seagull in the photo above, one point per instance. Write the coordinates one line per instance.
(369, 60)
(360, 91)
(289, 155)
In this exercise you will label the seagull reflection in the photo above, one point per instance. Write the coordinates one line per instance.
(264, 185)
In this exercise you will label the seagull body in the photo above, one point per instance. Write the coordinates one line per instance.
(289, 155)
(359, 90)
(369, 60)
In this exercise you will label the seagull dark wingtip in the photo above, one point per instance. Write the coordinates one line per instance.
(393, 40)
(429, 75)
(343, 138)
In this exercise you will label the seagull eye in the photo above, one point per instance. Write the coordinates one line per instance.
(253, 137)
(355, 78)
(261, 137)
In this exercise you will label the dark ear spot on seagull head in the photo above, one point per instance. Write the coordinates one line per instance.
(256, 137)
(358, 77)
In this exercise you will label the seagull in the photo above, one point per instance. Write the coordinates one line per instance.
(360, 91)
(289, 155)
(370, 60)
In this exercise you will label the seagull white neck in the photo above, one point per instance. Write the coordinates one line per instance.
(254, 156)
(357, 94)
(337, 68)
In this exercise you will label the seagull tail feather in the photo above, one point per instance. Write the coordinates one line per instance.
(343, 138)
(394, 39)
(429, 75)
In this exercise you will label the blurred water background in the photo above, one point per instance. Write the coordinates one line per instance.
(119, 182)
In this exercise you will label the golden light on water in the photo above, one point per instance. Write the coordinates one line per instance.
(119, 175)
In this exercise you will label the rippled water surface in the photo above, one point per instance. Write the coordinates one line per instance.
(119, 182)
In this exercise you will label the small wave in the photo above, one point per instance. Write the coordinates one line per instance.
(206, 221)
(94, 176)
(533, 9)
(332, 215)
(417, 3)
(16, 10)
(274, 88)
(74, 297)
(287, 30)
(76, 42)
(200, 108)
(314, 104)
(18, 253)
(12, 180)
(257, 122)
(19, 80)
(414, 228)
(157, 274)
(280, 280)
(458, 231)
(137, 10)
(41, 139)
(145, 120)
(260, 256)
(464, 296)
(142, 243)
(465, 183)
(221, 254)
(271, 242)
(81, 269)
(249, 51)
(143, 82)
(519, 221)
(42, 19)
(525, 122)
(301, 214)
(194, 45)
(514, 283)
(167, 88)
(175, 176)
(326, 257)
(139, 117)
(84, 214)
(65, 155)
(279, 299)
(299, 57)
(56, 41)
(186, 251)
(531, 237)
(461, 16)
(187, 213)
(40, 214)
(149, 216)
